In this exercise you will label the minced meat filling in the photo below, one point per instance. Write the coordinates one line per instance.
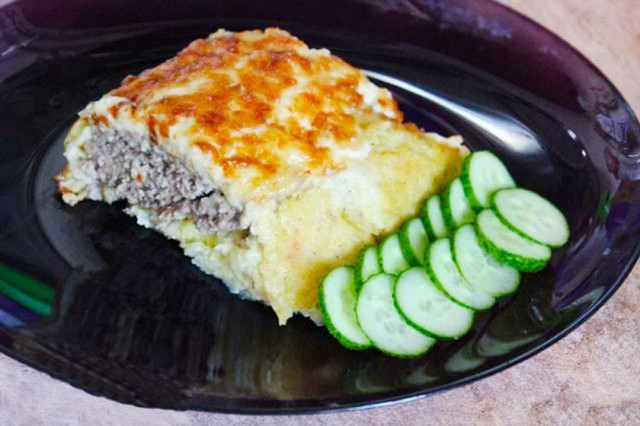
(211, 213)
(146, 176)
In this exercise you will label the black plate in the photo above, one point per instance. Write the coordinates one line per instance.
(117, 310)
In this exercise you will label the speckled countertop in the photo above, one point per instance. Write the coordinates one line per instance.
(590, 377)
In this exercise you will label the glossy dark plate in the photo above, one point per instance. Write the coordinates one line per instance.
(117, 310)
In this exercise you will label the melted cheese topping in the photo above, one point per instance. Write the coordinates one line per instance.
(257, 102)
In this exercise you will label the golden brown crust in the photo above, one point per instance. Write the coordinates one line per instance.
(241, 79)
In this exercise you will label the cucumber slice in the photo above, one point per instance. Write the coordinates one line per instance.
(444, 272)
(390, 255)
(481, 270)
(507, 246)
(433, 220)
(367, 265)
(427, 309)
(482, 174)
(338, 302)
(531, 215)
(413, 241)
(382, 323)
(456, 209)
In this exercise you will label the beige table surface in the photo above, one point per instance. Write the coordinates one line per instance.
(590, 377)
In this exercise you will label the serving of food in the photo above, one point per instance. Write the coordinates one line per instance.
(274, 165)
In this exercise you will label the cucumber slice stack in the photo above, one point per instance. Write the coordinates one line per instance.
(405, 294)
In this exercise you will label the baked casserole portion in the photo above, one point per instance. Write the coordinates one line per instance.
(268, 161)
